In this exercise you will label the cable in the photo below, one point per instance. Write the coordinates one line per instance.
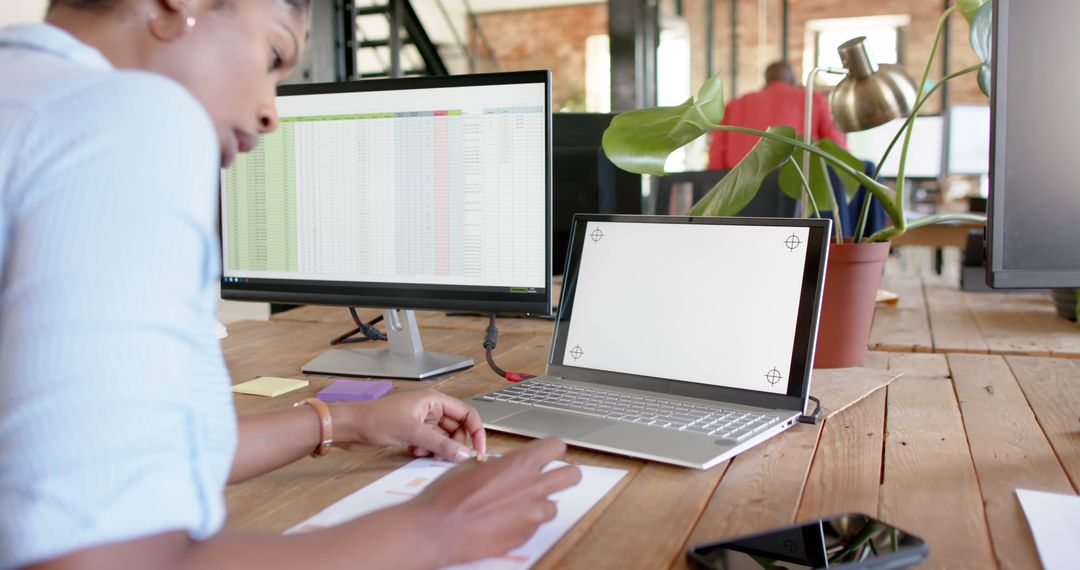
(813, 417)
(367, 329)
(491, 338)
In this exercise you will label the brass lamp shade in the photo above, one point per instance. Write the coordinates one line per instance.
(871, 94)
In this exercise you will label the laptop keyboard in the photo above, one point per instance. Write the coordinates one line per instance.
(736, 425)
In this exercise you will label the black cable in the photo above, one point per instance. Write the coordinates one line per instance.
(367, 329)
(491, 338)
(813, 417)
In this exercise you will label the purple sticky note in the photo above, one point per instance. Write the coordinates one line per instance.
(352, 390)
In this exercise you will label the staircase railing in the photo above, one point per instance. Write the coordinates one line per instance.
(406, 28)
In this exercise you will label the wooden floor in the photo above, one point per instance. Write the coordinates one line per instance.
(939, 452)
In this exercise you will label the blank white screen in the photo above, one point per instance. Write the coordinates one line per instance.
(924, 153)
(700, 303)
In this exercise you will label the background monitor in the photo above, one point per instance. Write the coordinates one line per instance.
(425, 193)
(1034, 218)
(924, 152)
(969, 139)
(585, 180)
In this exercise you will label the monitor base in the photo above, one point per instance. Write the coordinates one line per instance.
(405, 359)
(381, 363)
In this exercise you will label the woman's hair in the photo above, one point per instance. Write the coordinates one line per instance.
(106, 4)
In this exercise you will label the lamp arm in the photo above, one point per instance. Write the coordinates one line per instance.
(808, 117)
(860, 227)
(900, 180)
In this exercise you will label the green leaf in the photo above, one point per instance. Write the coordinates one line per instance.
(969, 7)
(790, 182)
(851, 185)
(820, 184)
(739, 187)
(980, 35)
(640, 141)
(984, 80)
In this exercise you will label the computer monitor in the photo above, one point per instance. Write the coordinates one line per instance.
(969, 139)
(585, 180)
(924, 152)
(423, 193)
(1034, 206)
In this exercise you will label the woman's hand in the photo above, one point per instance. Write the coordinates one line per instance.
(428, 422)
(478, 510)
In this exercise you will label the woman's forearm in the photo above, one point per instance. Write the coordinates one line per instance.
(270, 440)
(397, 537)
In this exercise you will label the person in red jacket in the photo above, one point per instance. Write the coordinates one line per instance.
(779, 103)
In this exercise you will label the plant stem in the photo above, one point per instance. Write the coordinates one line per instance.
(884, 192)
(901, 223)
(860, 226)
(889, 233)
(806, 185)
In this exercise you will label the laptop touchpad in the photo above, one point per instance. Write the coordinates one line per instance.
(544, 422)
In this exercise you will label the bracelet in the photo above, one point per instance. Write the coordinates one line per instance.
(326, 425)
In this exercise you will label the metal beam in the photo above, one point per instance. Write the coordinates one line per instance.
(633, 35)
(397, 16)
(786, 29)
(734, 89)
(347, 43)
(710, 37)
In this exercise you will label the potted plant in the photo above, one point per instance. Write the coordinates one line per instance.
(640, 141)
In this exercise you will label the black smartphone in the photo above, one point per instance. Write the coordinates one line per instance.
(846, 541)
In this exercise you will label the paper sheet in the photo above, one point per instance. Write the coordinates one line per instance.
(1055, 523)
(407, 481)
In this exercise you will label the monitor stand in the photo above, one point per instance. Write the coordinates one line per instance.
(405, 358)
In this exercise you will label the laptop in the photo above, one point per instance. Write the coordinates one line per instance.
(683, 340)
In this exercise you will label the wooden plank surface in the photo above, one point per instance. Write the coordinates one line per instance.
(903, 327)
(1009, 451)
(838, 388)
(845, 476)
(902, 452)
(929, 486)
(760, 489)
(952, 322)
(651, 519)
(1052, 388)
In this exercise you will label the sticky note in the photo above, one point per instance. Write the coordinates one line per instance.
(269, 386)
(352, 390)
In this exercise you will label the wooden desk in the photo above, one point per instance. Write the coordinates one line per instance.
(939, 453)
(934, 315)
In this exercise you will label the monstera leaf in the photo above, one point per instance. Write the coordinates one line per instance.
(981, 27)
(640, 141)
(969, 7)
(818, 178)
(739, 187)
(851, 185)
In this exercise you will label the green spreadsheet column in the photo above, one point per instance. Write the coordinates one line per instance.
(260, 198)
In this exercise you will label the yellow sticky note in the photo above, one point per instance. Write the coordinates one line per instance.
(269, 386)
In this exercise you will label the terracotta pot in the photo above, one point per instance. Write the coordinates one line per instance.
(852, 276)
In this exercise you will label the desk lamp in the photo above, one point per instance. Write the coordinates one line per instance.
(871, 94)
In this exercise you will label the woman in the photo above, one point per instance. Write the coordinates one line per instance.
(117, 431)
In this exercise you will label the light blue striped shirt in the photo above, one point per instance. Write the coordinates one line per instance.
(116, 419)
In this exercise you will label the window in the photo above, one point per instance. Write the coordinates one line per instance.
(883, 37)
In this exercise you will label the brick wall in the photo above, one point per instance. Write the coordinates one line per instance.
(547, 38)
(554, 38)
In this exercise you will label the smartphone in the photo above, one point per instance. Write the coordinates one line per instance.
(846, 541)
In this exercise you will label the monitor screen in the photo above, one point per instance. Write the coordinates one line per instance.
(427, 193)
(969, 139)
(1034, 190)
(924, 152)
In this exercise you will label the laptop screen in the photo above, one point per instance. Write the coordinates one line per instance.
(711, 304)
